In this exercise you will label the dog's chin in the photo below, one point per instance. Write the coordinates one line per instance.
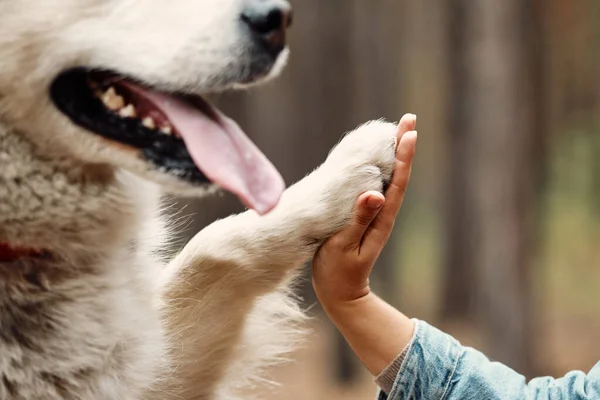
(274, 71)
(169, 184)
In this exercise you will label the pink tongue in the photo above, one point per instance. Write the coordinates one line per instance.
(223, 152)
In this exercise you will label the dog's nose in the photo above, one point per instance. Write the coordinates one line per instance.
(269, 19)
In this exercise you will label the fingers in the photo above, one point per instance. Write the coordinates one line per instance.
(380, 229)
(405, 152)
(404, 157)
(375, 214)
(367, 207)
(407, 123)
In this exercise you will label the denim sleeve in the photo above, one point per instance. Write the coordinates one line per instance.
(437, 367)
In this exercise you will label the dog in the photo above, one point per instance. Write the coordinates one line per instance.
(102, 113)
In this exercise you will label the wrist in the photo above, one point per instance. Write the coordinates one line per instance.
(344, 305)
(332, 297)
(375, 330)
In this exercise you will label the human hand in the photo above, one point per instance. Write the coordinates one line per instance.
(342, 266)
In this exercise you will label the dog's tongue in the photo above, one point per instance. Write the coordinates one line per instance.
(223, 152)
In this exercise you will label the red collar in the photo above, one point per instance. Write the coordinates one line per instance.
(10, 253)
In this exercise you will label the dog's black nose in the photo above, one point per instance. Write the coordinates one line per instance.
(269, 19)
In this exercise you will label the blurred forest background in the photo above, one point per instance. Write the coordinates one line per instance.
(498, 240)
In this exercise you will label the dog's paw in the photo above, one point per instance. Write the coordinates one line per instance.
(368, 150)
(362, 161)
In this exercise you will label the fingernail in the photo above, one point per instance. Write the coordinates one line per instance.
(374, 202)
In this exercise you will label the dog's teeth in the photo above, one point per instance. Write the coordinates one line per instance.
(148, 122)
(166, 129)
(112, 100)
(128, 112)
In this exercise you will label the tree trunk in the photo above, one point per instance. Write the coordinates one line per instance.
(458, 296)
(493, 174)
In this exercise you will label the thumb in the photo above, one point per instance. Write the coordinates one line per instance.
(366, 209)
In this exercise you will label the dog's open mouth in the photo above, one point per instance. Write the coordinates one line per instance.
(178, 134)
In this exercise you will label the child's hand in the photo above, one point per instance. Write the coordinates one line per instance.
(375, 330)
(342, 266)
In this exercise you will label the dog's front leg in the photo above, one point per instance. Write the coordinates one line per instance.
(213, 284)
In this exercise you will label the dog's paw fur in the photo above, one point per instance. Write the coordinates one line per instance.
(362, 161)
(365, 157)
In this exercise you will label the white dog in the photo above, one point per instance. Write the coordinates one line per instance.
(100, 112)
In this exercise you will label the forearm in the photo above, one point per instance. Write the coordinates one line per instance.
(376, 331)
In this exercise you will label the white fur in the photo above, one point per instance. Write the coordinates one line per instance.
(104, 316)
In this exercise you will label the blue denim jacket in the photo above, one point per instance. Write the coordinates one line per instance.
(437, 367)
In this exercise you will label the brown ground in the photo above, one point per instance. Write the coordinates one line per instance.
(310, 376)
